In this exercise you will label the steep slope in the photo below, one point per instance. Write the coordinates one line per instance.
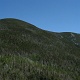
(30, 53)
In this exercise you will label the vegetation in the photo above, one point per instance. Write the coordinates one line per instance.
(30, 53)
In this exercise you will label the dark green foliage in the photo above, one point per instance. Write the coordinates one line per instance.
(29, 53)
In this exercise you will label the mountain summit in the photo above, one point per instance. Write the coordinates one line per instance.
(30, 53)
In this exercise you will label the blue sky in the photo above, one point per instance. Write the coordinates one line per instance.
(51, 15)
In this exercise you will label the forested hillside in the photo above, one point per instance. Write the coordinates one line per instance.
(30, 53)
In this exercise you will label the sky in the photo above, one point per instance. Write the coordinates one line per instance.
(51, 15)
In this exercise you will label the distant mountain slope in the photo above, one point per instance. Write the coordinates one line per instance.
(30, 53)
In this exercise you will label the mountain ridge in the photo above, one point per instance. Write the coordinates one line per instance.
(9, 19)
